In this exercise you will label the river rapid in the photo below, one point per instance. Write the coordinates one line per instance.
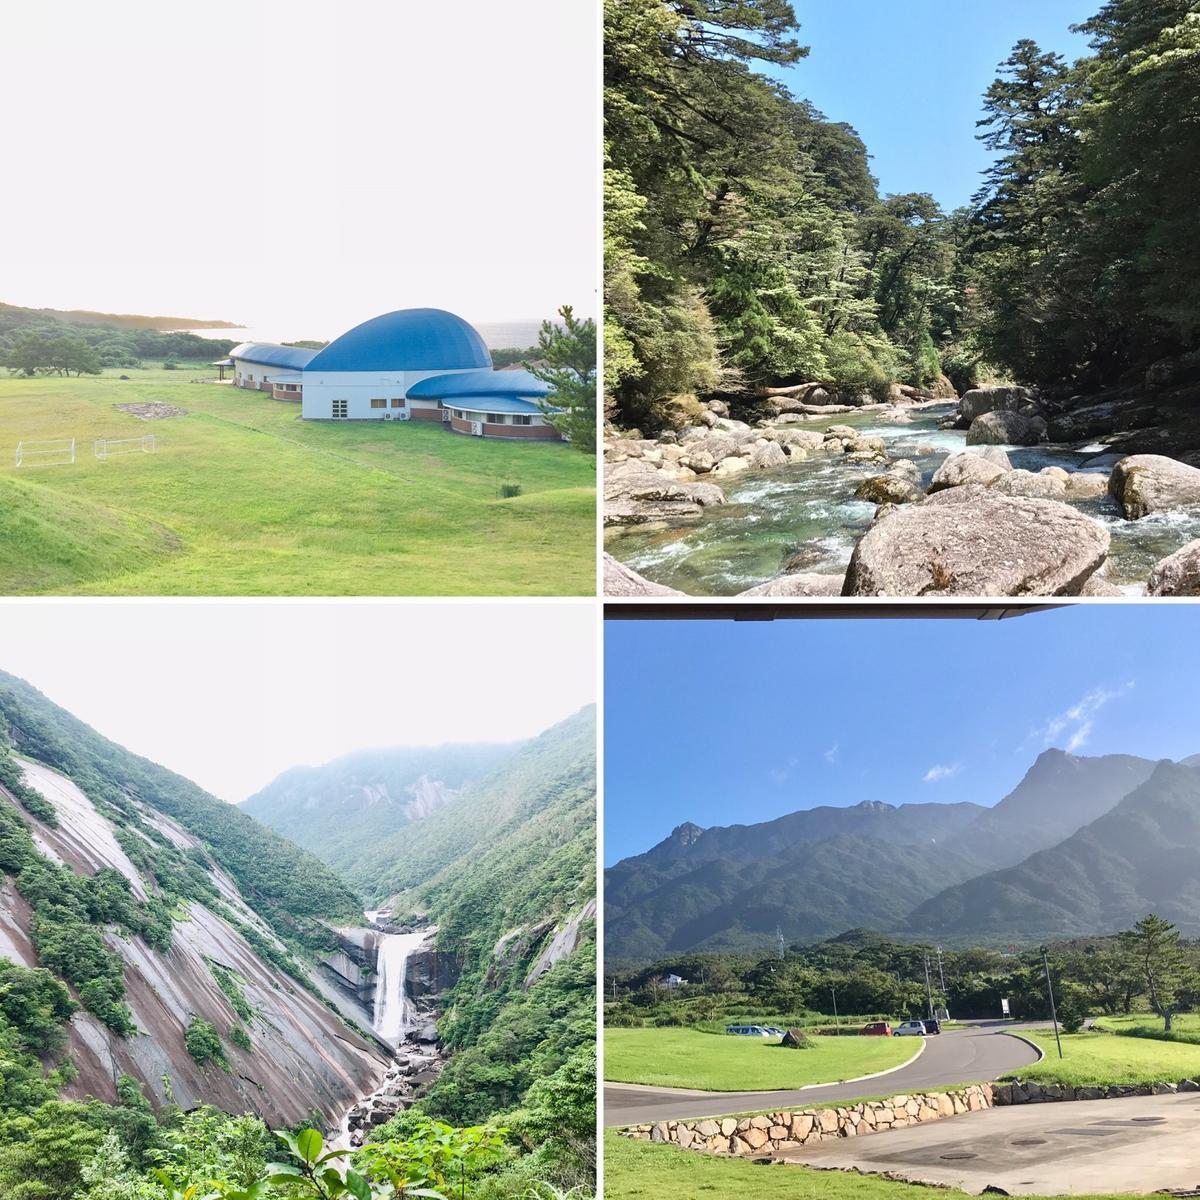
(807, 513)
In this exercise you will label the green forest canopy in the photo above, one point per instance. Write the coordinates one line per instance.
(747, 245)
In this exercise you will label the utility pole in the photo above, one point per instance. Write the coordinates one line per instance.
(941, 970)
(779, 939)
(836, 1022)
(928, 987)
(1050, 993)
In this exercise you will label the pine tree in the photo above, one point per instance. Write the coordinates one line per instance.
(568, 354)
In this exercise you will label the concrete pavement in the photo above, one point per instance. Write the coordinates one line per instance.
(1139, 1144)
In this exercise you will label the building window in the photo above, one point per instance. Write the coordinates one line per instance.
(397, 401)
(379, 403)
(522, 420)
(495, 418)
(341, 410)
(458, 412)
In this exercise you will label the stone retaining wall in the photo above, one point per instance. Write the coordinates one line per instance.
(768, 1132)
(1029, 1092)
(804, 1127)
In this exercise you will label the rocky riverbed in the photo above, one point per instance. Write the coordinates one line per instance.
(417, 1063)
(999, 493)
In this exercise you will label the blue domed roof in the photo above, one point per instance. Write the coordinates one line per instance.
(411, 339)
(268, 354)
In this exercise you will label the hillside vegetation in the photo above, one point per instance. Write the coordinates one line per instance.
(295, 891)
(330, 809)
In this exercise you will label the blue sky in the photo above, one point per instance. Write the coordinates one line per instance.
(723, 722)
(909, 75)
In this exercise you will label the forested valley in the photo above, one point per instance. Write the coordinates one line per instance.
(169, 1023)
(748, 246)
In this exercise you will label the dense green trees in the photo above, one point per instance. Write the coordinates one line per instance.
(568, 363)
(745, 241)
(32, 343)
(746, 244)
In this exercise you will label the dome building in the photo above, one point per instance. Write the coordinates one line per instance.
(416, 364)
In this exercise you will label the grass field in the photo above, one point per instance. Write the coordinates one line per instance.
(1185, 1027)
(1095, 1059)
(244, 498)
(637, 1170)
(713, 1062)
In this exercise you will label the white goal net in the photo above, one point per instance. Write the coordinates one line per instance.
(50, 452)
(112, 447)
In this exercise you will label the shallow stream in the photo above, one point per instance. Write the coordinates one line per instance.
(808, 509)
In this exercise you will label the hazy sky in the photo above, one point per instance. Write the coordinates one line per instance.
(910, 76)
(300, 164)
(722, 722)
(231, 694)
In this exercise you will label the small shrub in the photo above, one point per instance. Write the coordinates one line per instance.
(508, 490)
(204, 1043)
(239, 1037)
(170, 366)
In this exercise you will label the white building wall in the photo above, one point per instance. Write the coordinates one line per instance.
(358, 389)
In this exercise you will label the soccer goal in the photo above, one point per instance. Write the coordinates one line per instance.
(51, 452)
(112, 447)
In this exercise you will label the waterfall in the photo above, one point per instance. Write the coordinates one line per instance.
(395, 1013)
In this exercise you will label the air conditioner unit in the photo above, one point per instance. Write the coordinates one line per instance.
(477, 428)
(387, 416)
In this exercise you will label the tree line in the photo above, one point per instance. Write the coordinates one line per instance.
(32, 344)
(1148, 967)
(747, 244)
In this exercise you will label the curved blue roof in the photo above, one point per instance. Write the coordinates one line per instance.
(270, 355)
(411, 339)
(479, 383)
(493, 404)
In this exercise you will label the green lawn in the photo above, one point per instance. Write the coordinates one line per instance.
(1185, 1027)
(244, 498)
(642, 1169)
(714, 1062)
(1104, 1059)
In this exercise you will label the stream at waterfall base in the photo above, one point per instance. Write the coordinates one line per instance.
(809, 509)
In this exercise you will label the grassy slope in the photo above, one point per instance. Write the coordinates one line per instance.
(723, 1063)
(1104, 1059)
(1186, 1026)
(640, 1169)
(244, 498)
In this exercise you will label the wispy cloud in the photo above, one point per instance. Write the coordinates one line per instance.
(940, 771)
(780, 775)
(831, 754)
(1074, 726)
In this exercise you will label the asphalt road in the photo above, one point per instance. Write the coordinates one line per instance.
(980, 1052)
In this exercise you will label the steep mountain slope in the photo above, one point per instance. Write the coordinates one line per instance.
(180, 983)
(292, 889)
(1059, 794)
(1142, 856)
(346, 806)
(808, 874)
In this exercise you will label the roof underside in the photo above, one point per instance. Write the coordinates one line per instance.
(479, 383)
(267, 354)
(411, 339)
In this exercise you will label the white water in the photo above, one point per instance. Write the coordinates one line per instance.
(395, 1013)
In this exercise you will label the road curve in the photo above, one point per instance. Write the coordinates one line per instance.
(956, 1056)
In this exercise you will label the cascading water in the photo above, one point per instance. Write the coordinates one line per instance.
(395, 1013)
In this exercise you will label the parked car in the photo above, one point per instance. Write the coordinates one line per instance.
(752, 1030)
(911, 1029)
(932, 1025)
(877, 1029)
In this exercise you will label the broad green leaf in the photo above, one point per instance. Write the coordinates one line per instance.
(309, 1144)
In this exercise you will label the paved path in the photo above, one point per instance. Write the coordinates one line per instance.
(1139, 1144)
(969, 1055)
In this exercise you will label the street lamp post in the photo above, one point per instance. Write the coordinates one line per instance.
(1050, 993)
